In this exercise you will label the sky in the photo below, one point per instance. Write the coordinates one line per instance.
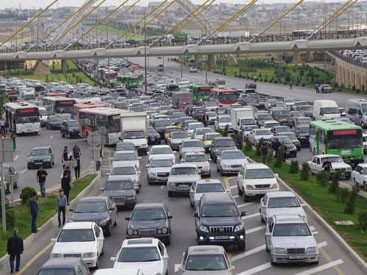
(44, 3)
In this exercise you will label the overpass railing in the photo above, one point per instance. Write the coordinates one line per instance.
(348, 59)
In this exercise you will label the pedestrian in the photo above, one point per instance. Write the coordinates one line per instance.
(290, 84)
(205, 119)
(239, 140)
(2, 126)
(77, 167)
(34, 211)
(66, 184)
(275, 145)
(15, 248)
(264, 153)
(65, 155)
(327, 165)
(41, 179)
(61, 203)
(13, 137)
(317, 86)
(76, 151)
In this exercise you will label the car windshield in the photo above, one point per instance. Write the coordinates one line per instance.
(161, 163)
(261, 173)
(233, 155)
(73, 123)
(125, 147)
(124, 156)
(209, 187)
(195, 158)
(219, 210)
(283, 202)
(55, 118)
(139, 254)
(39, 152)
(206, 262)
(284, 140)
(224, 119)
(193, 126)
(280, 113)
(56, 271)
(203, 131)
(160, 151)
(224, 143)
(212, 136)
(91, 207)
(334, 159)
(151, 131)
(76, 235)
(118, 185)
(329, 110)
(191, 143)
(262, 133)
(281, 129)
(123, 171)
(148, 214)
(183, 171)
(134, 134)
(291, 229)
(179, 135)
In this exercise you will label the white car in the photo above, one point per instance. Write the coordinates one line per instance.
(126, 171)
(192, 126)
(280, 203)
(204, 186)
(337, 164)
(79, 239)
(257, 134)
(200, 132)
(147, 254)
(201, 161)
(231, 161)
(126, 157)
(359, 176)
(190, 146)
(161, 150)
(222, 121)
(193, 70)
(181, 178)
(256, 179)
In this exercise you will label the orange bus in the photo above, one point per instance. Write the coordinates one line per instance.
(224, 96)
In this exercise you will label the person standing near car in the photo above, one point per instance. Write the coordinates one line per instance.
(61, 203)
(15, 248)
(34, 211)
(41, 179)
(66, 184)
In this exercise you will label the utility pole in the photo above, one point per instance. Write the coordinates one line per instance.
(145, 59)
(6, 155)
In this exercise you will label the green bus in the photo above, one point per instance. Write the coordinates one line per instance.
(331, 136)
(200, 92)
(130, 80)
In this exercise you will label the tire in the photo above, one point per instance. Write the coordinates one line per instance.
(240, 192)
(109, 230)
(170, 194)
(241, 246)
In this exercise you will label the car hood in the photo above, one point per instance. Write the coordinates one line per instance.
(147, 224)
(294, 242)
(338, 165)
(126, 163)
(160, 169)
(261, 181)
(148, 268)
(119, 193)
(73, 247)
(220, 221)
(93, 217)
(40, 157)
(234, 161)
(213, 272)
(183, 178)
(285, 211)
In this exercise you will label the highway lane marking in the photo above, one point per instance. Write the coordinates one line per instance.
(321, 267)
(35, 258)
(23, 171)
(248, 253)
(329, 259)
(250, 216)
(235, 196)
(322, 244)
(177, 266)
(15, 158)
(226, 183)
(256, 269)
(255, 229)
(51, 137)
(244, 204)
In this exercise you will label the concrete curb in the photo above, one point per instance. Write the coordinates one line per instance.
(53, 220)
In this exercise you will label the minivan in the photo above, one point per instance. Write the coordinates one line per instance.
(357, 111)
(325, 108)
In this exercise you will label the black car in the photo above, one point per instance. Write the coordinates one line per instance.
(101, 210)
(150, 220)
(303, 135)
(160, 126)
(220, 144)
(218, 221)
(153, 136)
(125, 146)
(62, 266)
(251, 85)
(54, 122)
(69, 128)
(122, 192)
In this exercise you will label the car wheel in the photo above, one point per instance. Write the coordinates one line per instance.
(115, 224)
(109, 229)
(241, 246)
(170, 194)
(240, 192)
(15, 186)
(62, 134)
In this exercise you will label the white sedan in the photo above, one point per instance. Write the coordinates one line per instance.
(193, 70)
(81, 240)
(359, 176)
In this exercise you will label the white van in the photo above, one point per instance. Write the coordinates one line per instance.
(112, 271)
(357, 111)
(325, 108)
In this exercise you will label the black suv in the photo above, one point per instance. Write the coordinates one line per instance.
(69, 128)
(218, 221)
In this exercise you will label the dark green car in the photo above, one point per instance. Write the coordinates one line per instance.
(40, 156)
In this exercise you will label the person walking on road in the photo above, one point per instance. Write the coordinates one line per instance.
(15, 248)
(65, 156)
(41, 178)
(34, 211)
(76, 151)
(61, 203)
(77, 167)
(264, 153)
(13, 137)
(317, 87)
(66, 184)
(290, 85)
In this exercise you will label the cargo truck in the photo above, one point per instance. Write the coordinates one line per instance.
(241, 113)
(134, 129)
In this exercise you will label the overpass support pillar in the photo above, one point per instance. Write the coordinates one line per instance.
(197, 60)
(64, 66)
(309, 56)
(296, 57)
(211, 61)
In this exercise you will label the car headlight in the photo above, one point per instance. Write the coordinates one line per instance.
(164, 230)
(274, 186)
(312, 249)
(249, 187)
(103, 222)
(56, 255)
(89, 254)
(131, 198)
(152, 174)
(349, 169)
(238, 227)
(172, 184)
(204, 228)
(279, 250)
(130, 232)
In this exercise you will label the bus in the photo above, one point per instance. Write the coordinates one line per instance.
(22, 118)
(331, 136)
(96, 119)
(224, 96)
(200, 92)
(130, 80)
(59, 94)
(59, 105)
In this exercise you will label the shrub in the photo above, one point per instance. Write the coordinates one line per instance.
(362, 220)
(351, 204)
(322, 178)
(294, 168)
(248, 146)
(305, 172)
(26, 194)
(280, 157)
(334, 186)
(342, 195)
(258, 147)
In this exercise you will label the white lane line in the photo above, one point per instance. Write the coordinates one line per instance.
(320, 245)
(248, 253)
(162, 187)
(235, 196)
(312, 228)
(51, 137)
(23, 171)
(255, 229)
(251, 216)
(177, 266)
(321, 267)
(233, 187)
(244, 204)
(256, 269)
(15, 158)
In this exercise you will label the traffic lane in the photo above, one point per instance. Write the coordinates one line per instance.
(255, 255)
(45, 138)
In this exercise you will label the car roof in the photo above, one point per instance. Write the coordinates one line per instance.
(217, 197)
(78, 225)
(231, 151)
(161, 157)
(126, 152)
(205, 249)
(61, 262)
(119, 164)
(45, 147)
(190, 165)
(141, 242)
(280, 194)
(93, 198)
(149, 205)
(256, 166)
(289, 219)
(208, 181)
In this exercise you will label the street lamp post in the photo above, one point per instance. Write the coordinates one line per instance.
(145, 59)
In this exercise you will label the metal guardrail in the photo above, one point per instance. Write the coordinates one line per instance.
(348, 59)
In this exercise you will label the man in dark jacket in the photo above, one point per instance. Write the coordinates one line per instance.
(34, 211)
(15, 248)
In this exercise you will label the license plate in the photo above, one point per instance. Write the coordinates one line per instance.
(297, 257)
(221, 237)
(183, 186)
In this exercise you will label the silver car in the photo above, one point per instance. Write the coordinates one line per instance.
(159, 169)
(192, 145)
(230, 161)
(126, 158)
(201, 161)
(204, 186)
(182, 176)
(120, 172)
(176, 138)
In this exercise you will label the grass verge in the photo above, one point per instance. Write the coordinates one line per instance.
(47, 209)
(325, 204)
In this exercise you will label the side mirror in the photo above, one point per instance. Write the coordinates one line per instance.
(127, 218)
(169, 217)
(267, 234)
(243, 213)
(113, 259)
(53, 240)
(196, 215)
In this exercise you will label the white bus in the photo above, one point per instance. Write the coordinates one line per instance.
(22, 117)
(106, 121)
(59, 105)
